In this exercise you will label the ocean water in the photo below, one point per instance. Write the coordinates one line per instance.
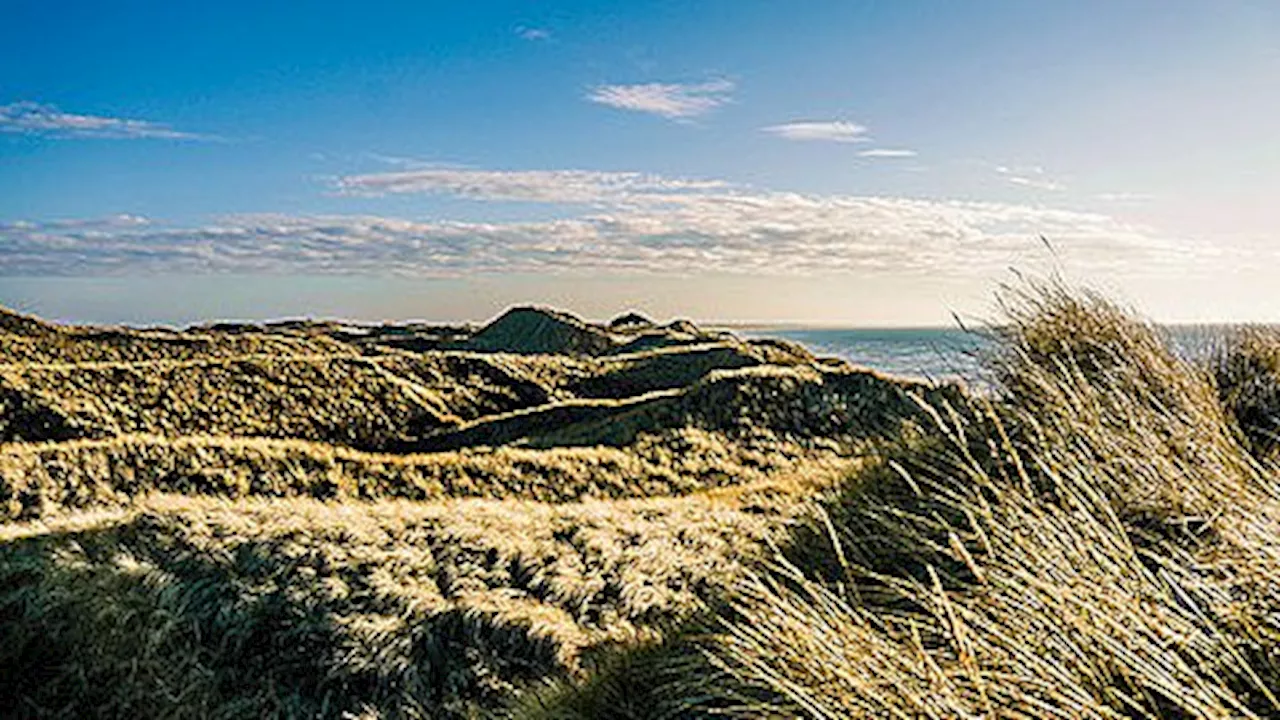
(948, 353)
(930, 353)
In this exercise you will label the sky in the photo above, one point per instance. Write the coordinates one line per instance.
(862, 162)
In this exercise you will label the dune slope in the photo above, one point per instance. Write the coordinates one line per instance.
(317, 519)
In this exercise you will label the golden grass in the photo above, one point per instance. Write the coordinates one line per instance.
(187, 607)
(29, 340)
(227, 522)
(1093, 541)
(1247, 371)
(309, 387)
(1098, 538)
(339, 399)
(39, 479)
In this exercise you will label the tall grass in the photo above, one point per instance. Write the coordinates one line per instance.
(1098, 537)
(1091, 541)
(200, 608)
(1247, 371)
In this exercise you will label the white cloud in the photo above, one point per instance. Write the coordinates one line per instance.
(31, 118)
(631, 223)
(823, 130)
(1031, 177)
(887, 153)
(547, 186)
(1126, 197)
(409, 162)
(675, 101)
(533, 34)
(1037, 183)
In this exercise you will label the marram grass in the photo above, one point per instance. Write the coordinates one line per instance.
(1097, 537)
(185, 607)
(1094, 540)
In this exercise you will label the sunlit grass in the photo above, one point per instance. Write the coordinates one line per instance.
(683, 533)
(1092, 542)
(199, 607)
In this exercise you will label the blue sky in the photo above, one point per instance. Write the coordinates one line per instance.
(845, 162)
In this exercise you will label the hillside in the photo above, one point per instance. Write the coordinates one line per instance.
(313, 518)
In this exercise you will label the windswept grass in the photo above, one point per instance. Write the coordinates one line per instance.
(201, 608)
(230, 521)
(1096, 538)
(1091, 542)
(43, 479)
(1247, 371)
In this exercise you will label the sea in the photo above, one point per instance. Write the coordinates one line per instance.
(944, 354)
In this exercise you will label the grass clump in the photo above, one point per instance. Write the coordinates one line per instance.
(1247, 370)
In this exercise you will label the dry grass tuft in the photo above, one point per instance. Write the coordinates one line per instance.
(1247, 371)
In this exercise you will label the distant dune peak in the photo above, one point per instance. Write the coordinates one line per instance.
(683, 326)
(533, 329)
(630, 322)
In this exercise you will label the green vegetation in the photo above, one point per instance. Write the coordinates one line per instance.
(704, 528)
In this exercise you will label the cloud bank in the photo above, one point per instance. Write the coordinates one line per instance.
(628, 223)
(31, 118)
(674, 101)
(546, 186)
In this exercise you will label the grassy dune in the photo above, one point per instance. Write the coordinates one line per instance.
(693, 531)
(93, 384)
(44, 479)
(184, 607)
(235, 521)
(25, 339)
(1095, 541)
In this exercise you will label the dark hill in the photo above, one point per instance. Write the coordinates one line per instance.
(16, 323)
(630, 322)
(535, 330)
